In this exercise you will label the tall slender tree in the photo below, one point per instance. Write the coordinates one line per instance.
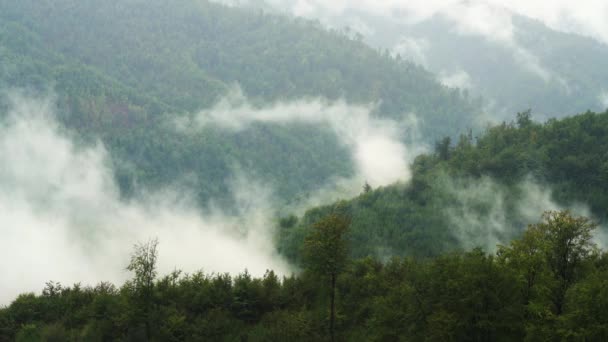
(326, 252)
(143, 264)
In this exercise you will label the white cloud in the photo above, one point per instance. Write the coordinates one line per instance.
(479, 210)
(603, 98)
(375, 143)
(62, 219)
(490, 19)
(459, 79)
(413, 49)
(586, 17)
(494, 23)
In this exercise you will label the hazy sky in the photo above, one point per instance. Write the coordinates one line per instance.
(587, 17)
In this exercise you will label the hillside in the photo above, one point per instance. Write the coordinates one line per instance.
(121, 71)
(303, 170)
(478, 192)
(514, 62)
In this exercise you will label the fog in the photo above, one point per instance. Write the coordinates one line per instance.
(459, 79)
(382, 149)
(603, 98)
(413, 49)
(484, 213)
(491, 20)
(61, 212)
(488, 17)
(62, 218)
(478, 45)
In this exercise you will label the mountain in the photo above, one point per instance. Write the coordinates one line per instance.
(152, 150)
(514, 62)
(552, 73)
(479, 193)
(124, 71)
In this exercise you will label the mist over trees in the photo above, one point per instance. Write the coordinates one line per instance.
(477, 192)
(135, 68)
(488, 48)
(359, 186)
(547, 285)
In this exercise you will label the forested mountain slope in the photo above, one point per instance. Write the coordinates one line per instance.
(478, 193)
(123, 70)
(514, 62)
(553, 73)
(175, 124)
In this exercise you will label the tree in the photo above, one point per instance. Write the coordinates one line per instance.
(549, 259)
(366, 188)
(586, 308)
(569, 244)
(524, 119)
(326, 253)
(442, 148)
(143, 264)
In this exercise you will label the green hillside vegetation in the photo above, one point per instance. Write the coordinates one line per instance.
(567, 81)
(548, 285)
(567, 156)
(123, 71)
(460, 252)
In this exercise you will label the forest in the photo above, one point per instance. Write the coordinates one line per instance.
(503, 171)
(148, 147)
(549, 284)
(106, 90)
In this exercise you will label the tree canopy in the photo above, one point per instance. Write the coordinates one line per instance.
(461, 296)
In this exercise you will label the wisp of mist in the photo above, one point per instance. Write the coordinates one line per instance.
(479, 214)
(62, 217)
(382, 149)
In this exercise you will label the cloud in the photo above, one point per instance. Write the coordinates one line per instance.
(585, 17)
(490, 19)
(62, 218)
(459, 79)
(484, 213)
(494, 23)
(603, 98)
(413, 49)
(377, 145)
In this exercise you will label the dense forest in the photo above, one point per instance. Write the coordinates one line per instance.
(533, 67)
(502, 172)
(123, 71)
(548, 285)
(389, 260)
(495, 232)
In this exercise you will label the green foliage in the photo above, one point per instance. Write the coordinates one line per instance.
(567, 82)
(325, 247)
(143, 264)
(28, 333)
(586, 316)
(460, 296)
(123, 73)
(135, 69)
(326, 253)
(485, 181)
